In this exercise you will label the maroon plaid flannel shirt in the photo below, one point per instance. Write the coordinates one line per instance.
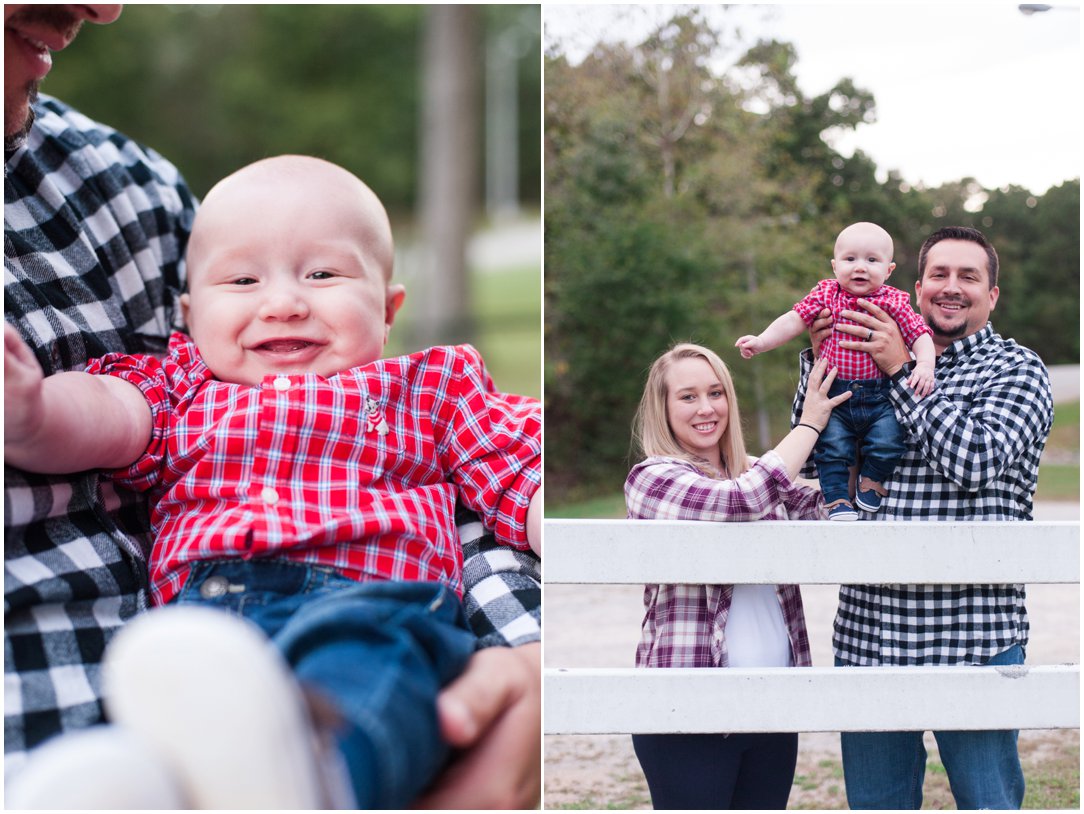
(685, 625)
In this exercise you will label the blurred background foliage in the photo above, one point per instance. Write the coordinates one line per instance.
(686, 205)
(214, 87)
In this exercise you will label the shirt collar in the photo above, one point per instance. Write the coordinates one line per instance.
(961, 348)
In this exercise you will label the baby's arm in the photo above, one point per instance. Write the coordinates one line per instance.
(71, 421)
(921, 378)
(534, 523)
(785, 328)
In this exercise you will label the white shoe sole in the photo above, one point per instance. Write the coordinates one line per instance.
(104, 768)
(215, 699)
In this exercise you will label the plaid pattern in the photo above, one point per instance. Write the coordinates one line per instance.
(855, 365)
(294, 469)
(685, 625)
(94, 232)
(973, 450)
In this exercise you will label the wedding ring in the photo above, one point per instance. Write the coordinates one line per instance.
(868, 338)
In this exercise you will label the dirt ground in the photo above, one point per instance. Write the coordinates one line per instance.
(598, 626)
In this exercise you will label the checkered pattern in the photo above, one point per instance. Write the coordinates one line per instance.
(973, 450)
(685, 625)
(94, 231)
(857, 365)
(504, 605)
(292, 469)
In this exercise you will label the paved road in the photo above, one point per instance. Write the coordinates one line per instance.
(1065, 383)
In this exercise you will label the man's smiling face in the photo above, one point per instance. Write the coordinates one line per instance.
(954, 294)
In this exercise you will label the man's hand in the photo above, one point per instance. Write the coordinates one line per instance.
(23, 380)
(819, 330)
(494, 713)
(878, 335)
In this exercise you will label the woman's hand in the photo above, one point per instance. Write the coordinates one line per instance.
(878, 335)
(794, 449)
(818, 406)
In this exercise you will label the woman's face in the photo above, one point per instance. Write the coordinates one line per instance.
(697, 408)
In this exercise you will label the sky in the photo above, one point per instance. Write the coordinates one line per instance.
(962, 89)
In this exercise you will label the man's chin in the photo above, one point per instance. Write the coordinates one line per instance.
(16, 138)
(948, 331)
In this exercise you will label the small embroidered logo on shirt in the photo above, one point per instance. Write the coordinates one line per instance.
(374, 418)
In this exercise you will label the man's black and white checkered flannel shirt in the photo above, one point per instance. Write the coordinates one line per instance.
(973, 450)
(94, 234)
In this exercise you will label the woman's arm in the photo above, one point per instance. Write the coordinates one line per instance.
(794, 449)
(71, 421)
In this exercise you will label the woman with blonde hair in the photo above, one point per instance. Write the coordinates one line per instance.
(695, 468)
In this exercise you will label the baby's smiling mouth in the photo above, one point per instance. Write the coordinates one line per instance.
(284, 345)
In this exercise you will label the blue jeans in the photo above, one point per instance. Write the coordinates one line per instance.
(864, 423)
(379, 652)
(885, 769)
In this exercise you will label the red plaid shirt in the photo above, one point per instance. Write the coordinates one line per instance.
(358, 472)
(855, 365)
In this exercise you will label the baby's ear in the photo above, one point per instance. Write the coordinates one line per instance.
(185, 302)
(393, 301)
(891, 268)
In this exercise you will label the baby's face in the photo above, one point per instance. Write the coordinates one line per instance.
(288, 277)
(863, 259)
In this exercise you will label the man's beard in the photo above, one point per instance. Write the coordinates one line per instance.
(954, 332)
(16, 139)
(58, 18)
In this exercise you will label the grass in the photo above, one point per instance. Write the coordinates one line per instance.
(508, 311)
(1054, 783)
(1058, 482)
(508, 306)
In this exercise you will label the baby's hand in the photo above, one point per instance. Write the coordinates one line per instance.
(22, 385)
(749, 346)
(921, 379)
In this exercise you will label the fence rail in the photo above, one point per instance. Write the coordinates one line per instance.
(818, 699)
(812, 553)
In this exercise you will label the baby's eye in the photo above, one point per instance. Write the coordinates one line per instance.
(322, 274)
(244, 281)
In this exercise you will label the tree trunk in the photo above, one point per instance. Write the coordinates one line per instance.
(449, 146)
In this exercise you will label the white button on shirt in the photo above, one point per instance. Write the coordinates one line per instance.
(281, 383)
(269, 496)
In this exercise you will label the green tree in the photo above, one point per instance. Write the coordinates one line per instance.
(685, 205)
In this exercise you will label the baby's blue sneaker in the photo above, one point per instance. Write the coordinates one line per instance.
(870, 494)
(841, 510)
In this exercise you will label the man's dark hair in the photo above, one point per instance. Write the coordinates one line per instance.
(960, 233)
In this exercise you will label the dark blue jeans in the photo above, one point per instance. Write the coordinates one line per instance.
(739, 771)
(885, 770)
(379, 652)
(864, 423)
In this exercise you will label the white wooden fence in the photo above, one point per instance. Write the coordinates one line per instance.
(817, 699)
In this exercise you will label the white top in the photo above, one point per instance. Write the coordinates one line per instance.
(756, 635)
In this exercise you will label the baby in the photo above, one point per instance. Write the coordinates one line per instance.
(298, 480)
(866, 423)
